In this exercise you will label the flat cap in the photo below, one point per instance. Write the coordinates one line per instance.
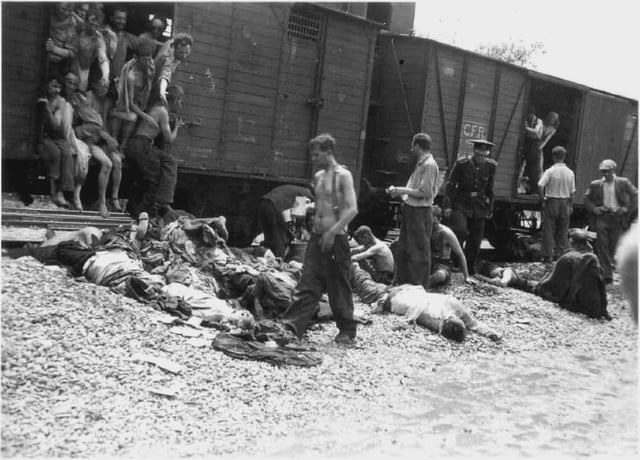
(607, 164)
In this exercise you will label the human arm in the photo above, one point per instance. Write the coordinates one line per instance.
(58, 53)
(451, 189)
(51, 112)
(546, 138)
(348, 209)
(131, 102)
(536, 130)
(103, 60)
(168, 134)
(589, 199)
(476, 326)
(426, 186)
(632, 192)
(372, 251)
(451, 240)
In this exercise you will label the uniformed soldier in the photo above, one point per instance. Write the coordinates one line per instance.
(469, 198)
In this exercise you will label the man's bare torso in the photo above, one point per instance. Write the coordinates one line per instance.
(329, 204)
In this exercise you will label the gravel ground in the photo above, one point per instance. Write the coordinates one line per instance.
(559, 382)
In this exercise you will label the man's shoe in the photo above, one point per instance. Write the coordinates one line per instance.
(345, 338)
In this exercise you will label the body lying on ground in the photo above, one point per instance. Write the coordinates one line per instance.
(576, 281)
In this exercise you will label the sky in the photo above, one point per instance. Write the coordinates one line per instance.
(592, 43)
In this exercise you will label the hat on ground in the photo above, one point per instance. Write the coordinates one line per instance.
(481, 142)
(607, 164)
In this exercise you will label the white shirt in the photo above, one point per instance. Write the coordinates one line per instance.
(558, 181)
(609, 194)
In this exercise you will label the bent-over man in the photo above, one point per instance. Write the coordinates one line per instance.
(373, 255)
(443, 243)
(327, 258)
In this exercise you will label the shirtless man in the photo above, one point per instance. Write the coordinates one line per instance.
(327, 259)
(158, 169)
(443, 243)
(374, 255)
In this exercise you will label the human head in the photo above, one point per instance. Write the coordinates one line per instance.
(63, 10)
(54, 86)
(364, 235)
(436, 212)
(481, 149)
(321, 148)
(608, 169)
(422, 141)
(579, 239)
(182, 44)
(552, 119)
(453, 328)
(82, 9)
(157, 25)
(100, 87)
(95, 18)
(175, 93)
(558, 154)
(144, 53)
(119, 18)
(70, 83)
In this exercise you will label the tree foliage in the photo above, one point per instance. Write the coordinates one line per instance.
(519, 53)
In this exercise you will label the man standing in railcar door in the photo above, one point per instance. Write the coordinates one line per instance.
(469, 198)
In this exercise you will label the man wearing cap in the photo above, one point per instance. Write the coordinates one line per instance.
(413, 258)
(613, 201)
(556, 188)
(469, 198)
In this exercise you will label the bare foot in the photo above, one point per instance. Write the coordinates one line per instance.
(58, 200)
(114, 204)
(77, 204)
(102, 210)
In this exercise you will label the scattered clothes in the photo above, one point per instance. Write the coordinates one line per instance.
(198, 300)
(257, 351)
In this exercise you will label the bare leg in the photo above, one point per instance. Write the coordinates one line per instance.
(56, 194)
(127, 130)
(116, 178)
(103, 178)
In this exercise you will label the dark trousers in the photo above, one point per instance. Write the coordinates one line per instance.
(413, 257)
(470, 231)
(533, 165)
(57, 157)
(158, 172)
(555, 226)
(609, 228)
(323, 272)
(276, 236)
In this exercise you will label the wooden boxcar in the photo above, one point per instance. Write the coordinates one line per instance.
(456, 95)
(262, 79)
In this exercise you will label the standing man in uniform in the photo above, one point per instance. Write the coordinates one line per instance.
(327, 259)
(556, 188)
(413, 259)
(612, 200)
(469, 198)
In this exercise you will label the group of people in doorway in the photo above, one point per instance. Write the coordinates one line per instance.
(398, 277)
(109, 98)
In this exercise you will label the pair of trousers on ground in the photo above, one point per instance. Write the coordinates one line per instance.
(158, 174)
(323, 271)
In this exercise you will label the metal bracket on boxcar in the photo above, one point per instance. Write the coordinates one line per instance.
(316, 102)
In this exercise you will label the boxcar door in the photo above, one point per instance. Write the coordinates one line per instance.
(607, 131)
(296, 96)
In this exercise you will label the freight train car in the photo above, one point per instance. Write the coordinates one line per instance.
(456, 96)
(262, 79)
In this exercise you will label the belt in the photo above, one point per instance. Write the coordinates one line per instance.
(555, 198)
(472, 194)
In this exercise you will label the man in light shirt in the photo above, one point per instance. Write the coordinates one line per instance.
(413, 259)
(556, 188)
(613, 201)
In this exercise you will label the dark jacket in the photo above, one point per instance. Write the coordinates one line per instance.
(626, 194)
(577, 284)
(470, 187)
